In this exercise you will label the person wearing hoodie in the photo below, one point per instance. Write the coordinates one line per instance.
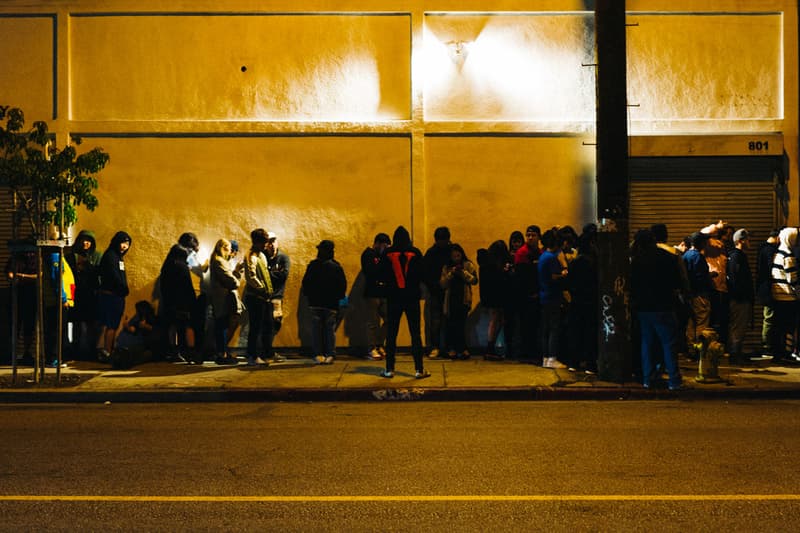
(178, 301)
(402, 268)
(375, 295)
(278, 263)
(325, 286)
(112, 291)
(84, 260)
(434, 259)
(785, 289)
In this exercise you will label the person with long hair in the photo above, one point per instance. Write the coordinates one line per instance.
(225, 302)
(457, 278)
(496, 270)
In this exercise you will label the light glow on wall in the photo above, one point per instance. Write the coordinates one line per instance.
(509, 72)
(339, 89)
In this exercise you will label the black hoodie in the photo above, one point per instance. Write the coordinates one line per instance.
(324, 282)
(112, 267)
(402, 266)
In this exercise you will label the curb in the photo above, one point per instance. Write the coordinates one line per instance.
(400, 394)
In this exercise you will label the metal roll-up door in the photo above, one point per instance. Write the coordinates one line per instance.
(688, 193)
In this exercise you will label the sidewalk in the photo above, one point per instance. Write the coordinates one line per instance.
(353, 379)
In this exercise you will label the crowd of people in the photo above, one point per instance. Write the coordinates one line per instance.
(542, 285)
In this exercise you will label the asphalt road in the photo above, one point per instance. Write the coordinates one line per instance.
(639, 466)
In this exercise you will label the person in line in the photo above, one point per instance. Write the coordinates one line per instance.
(278, 263)
(198, 267)
(112, 291)
(22, 270)
(526, 261)
(402, 268)
(325, 286)
(551, 276)
(84, 260)
(766, 253)
(583, 312)
(654, 280)
(742, 295)
(516, 298)
(375, 295)
(717, 258)
(682, 297)
(257, 300)
(225, 302)
(178, 302)
(435, 258)
(496, 268)
(457, 278)
(701, 287)
(785, 292)
(139, 338)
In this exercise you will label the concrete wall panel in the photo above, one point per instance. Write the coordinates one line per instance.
(240, 67)
(483, 188)
(27, 59)
(708, 67)
(305, 189)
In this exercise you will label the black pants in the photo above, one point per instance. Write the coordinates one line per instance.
(456, 325)
(396, 306)
(530, 317)
(260, 326)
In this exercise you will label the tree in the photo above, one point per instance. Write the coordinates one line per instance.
(49, 182)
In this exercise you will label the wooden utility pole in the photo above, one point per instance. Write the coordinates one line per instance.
(614, 363)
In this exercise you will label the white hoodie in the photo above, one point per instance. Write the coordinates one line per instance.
(784, 268)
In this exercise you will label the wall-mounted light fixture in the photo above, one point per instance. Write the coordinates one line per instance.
(458, 51)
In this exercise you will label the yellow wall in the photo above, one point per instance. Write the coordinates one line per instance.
(248, 66)
(304, 189)
(354, 116)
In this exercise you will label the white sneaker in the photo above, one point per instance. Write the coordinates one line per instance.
(320, 359)
(552, 362)
(329, 360)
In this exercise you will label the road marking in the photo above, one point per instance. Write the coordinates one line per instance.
(410, 498)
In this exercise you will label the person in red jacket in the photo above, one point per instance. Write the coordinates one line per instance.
(402, 269)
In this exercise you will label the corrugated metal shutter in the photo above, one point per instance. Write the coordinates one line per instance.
(5, 231)
(687, 193)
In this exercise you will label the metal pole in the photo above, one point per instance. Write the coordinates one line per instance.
(38, 366)
(60, 337)
(612, 190)
(14, 317)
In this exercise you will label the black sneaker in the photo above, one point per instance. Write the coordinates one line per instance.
(422, 374)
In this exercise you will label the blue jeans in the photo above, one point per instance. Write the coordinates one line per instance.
(659, 326)
(323, 331)
(551, 328)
